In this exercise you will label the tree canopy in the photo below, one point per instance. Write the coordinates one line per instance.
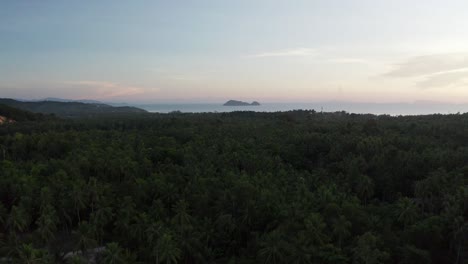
(242, 187)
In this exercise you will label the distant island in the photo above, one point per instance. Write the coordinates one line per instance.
(240, 103)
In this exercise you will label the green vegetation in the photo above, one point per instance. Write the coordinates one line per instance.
(18, 115)
(71, 109)
(243, 187)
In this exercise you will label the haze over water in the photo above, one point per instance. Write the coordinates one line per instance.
(421, 108)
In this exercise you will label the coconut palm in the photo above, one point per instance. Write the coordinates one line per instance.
(407, 211)
(113, 254)
(315, 226)
(167, 249)
(459, 237)
(272, 248)
(181, 219)
(99, 219)
(341, 228)
(47, 223)
(18, 220)
(78, 195)
(85, 236)
(364, 187)
(367, 251)
(140, 226)
(125, 215)
(27, 254)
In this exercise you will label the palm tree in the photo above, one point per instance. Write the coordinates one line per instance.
(153, 232)
(428, 190)
(47, 223)
(78, 196)
(46, 197)
(315, 226)
(27, 254)
(407, 211)
(85, 236)
(272, 248)
(139, 227)
(18, 220)
(125, 215)
(367, 252)
(181, 218)
(95, 192)
(364, 188)
(168, 252)
(113, 254)
(99, 219)
(129, 257)
(341, 228)
(103, 215)
(459, 236)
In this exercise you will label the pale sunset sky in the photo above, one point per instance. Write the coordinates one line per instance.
(210, 51)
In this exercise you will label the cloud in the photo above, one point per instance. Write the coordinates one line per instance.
(104, 89)
(434, 71)
(320, 56)
(187, 75)
(453, 78)
(350, 61)
(430, 64)
(299, 52)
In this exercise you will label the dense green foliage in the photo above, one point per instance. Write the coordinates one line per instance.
(293, 187)
(20, 115)
(70, 109)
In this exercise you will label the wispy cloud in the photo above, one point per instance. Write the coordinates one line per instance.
(320, 56)
(183, 75)
(434, 71)
(453, 78)
(104, 89)
(429, 64)
(301, 52)
(349, 61)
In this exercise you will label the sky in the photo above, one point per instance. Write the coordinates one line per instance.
(209, 51)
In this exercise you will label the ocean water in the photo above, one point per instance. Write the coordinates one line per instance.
(359, 108)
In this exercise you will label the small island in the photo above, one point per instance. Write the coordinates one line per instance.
(240, 103)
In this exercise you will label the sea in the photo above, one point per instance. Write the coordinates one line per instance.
(395, 109)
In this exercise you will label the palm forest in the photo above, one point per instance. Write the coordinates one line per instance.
(238, 188)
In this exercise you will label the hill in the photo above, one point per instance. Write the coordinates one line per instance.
(70, 109)
(85, 101)
(240, 103)
(10, 114)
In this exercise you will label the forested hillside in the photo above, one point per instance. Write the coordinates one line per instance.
(16, 115)
(242, 187)
(70, 109)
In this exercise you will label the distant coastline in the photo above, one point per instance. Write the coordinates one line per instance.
(417, 108)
